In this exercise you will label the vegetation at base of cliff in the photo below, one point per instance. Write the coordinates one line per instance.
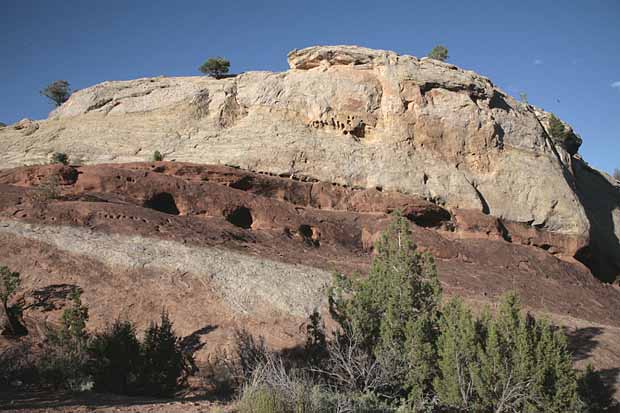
(215, 66)
(9, 283)
(58, 92)
(397, 349)
(396, 346)
(439, 52)
(113, 360)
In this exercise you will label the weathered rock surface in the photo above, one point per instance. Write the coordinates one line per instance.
(223, 248)
(348, 115)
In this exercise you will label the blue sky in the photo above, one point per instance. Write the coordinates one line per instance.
(564, 55)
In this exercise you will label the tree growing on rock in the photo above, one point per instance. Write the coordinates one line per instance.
(57, 91)
(60, 157)
(9, 283)
(215, 66)
(616, 174)
(439, 52)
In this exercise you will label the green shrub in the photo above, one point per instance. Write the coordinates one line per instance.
(164, 362)
(64, 361)
(261, 400)
(392, 314)
(439, 52)
(157, 156)
(57, 91)
(250, 352)
(215, 66)
(394, 341)
(116, 359)
(563, 136)
(60, 157)
(9, 283)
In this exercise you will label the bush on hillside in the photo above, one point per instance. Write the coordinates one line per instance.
(616, 174)
(60, 157)
(215, 66)
(64, 361)
(439, 52)
(563, 136)
(157, 156)
(164, 363)
(395, 341)
(116, 359)
(58, 92)
(9, 283)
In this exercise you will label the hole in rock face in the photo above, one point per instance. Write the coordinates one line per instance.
(162, 202)
(309, 234)
(240, 217)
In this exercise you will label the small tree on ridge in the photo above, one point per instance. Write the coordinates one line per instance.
(57, 91)
(439, 52)
(215, 66)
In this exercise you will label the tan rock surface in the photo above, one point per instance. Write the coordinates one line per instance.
(349, 115)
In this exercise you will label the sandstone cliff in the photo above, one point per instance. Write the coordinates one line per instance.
(352, 116)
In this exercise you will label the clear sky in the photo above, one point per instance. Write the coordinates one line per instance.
(564, 54)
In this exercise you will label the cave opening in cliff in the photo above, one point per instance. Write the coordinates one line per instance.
(309, 236)
(162, 202)
(240, 217)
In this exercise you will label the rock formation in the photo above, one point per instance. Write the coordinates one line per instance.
(347, 115)
(219, 246)
(278, 179)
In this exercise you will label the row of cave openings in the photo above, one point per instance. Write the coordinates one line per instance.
(165, 202)
(240, 216)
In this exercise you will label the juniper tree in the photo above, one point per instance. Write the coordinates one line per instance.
(164, 361)
(439, 52)
(9, 283)
(557, 130)
(116, 358)
(64, 362)
(57, 91)
(525, 365)
(394, 311)
(457, 347)
(215, 66)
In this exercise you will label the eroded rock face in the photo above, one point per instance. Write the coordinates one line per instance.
(347, 115)
(223, 248)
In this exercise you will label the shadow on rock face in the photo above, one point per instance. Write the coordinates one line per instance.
(601, 200)
(162, 202)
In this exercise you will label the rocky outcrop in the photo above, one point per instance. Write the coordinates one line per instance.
(223, 248)
(351, 116)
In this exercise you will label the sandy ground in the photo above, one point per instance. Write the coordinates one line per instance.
(60, 402)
